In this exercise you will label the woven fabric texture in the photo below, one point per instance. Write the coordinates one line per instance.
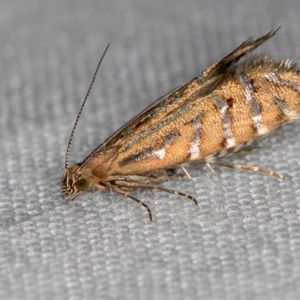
(241, 242)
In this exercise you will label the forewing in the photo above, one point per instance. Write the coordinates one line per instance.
(246, 47)
(175, 100)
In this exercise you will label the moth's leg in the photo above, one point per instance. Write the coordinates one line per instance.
(125, 194)
(222, 163)
(207, 164)
(177, 193)
(151, 186)
(186, 172)
(142, 203)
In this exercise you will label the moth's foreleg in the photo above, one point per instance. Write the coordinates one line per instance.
(132, 186)
(149, 185)
(140, 202)
(177, 193)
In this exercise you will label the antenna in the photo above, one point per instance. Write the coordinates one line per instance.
(81, 109)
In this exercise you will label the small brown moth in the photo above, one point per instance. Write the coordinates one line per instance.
(220, 112)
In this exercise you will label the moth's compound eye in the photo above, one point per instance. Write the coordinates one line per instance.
(82, 184)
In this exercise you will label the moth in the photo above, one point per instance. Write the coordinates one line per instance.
(219, 112)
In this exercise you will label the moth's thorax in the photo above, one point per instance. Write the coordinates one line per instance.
(75, 180)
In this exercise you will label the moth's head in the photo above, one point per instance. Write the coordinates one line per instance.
(75, 181)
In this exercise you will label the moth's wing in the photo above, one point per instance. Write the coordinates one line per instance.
(213, 76)
(134, 123)
(162, 106)
(165, 105)
(246, 47)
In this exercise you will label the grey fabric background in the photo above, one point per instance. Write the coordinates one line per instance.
(242, 242)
